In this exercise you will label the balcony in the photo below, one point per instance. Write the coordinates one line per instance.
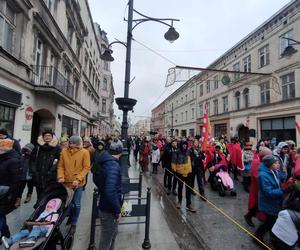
(47, 80)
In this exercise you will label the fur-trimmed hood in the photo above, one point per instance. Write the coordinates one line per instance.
(53, 143)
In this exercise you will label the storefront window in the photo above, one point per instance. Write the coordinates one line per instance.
(69, 126)
(7, 118)
(220, 129)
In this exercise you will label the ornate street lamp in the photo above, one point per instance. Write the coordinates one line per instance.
(289, 50)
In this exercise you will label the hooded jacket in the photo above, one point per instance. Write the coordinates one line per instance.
(283, 159)
(270, 196)
(43, 162)
(74, 164)
(10, 175)
(108, 181)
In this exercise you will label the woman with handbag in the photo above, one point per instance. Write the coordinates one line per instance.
(10, 174)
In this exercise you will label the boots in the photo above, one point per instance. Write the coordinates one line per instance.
(28, 198)
(18, 202)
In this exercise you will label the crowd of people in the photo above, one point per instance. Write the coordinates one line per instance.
(66, 161)
(269, 173)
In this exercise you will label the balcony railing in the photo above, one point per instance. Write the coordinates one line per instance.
(49, 76)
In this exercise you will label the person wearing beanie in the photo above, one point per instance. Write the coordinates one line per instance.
(64, 142)
(10, 175)
(270, 195)
(107, 178)
(4, 135)
(253, 193)
(73, 167)
(43, 161)
(26, 176)
(87, 144)
(282, 155)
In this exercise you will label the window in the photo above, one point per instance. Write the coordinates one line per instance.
(38, 56)
(263, 54)
(49, 4)
(7, 26)
(105, 65)
(104, 83)
(181, 100)
(225, 104)
(237, 100)
(7, 117)
(247, 64)
(288, 86)
(70, 32)
(176, 120)
(193, 113)
(186, 115)
(284, 42)
(193, 94)
(201, 90)
(208, 107)
(182, 116)
(207, 86)
(236, 67)
(201, 110)
(78, 46)
(51, 69)
(103, 105)
(216, 107)
(220, 129)
(246, 97)
(186, 98)
(265, 93)
(216, 82)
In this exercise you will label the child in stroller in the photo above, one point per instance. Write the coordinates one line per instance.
(40, 228)
(223, 180)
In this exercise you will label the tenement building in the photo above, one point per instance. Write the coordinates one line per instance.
(261, 98)
(51, 75)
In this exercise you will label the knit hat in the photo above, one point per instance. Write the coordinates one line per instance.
(100, 143)
(6, 144)
(269, 160)
(116, 148)
(3, 131)
(47, 132)
(263, 151)
(75, 139)
(282, 145)
(29, 147)
(86, 139)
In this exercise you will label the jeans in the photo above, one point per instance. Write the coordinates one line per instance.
(76, 205)
(168, 179)
(199, 174)
(109, 231)
(187, 189)
(35, 233)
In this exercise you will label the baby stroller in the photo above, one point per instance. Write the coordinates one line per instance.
(55, 237)
(223, 181)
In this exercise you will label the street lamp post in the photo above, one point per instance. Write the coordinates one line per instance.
(125, 103)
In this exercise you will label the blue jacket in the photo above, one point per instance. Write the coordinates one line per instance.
(108, 181)
(270, 196)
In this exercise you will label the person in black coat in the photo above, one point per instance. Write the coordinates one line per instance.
(43, 161)
(10, 175)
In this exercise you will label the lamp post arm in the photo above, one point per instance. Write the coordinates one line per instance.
(114, 42)
(158, 20)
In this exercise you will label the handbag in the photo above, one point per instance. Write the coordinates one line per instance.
(3, 191)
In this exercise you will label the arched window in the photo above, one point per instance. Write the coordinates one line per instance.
(237, 100)
(104, 83)
(246, 97)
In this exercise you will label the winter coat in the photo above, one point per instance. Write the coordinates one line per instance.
(108, 181)
(181, 162)
(43, 162)
(270, 196)
(253, 193)
(25, 159)
(10, 175)
(155, 155)
(166, 157)
(197, 158)
(74, 164)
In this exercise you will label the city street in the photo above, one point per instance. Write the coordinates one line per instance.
(170, 229)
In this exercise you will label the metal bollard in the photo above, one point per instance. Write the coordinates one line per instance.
(93, 220)
(140, 187)
(146, 244)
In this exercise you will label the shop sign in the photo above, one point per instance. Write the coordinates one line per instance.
(26, 127)
(28, 113)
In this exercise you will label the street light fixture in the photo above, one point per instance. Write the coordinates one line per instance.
(290, 50)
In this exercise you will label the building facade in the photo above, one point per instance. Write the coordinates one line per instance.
(157, 119)
(51, 74)
(245, 104)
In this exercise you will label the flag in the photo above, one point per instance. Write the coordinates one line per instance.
(298, 127)
(206, 130)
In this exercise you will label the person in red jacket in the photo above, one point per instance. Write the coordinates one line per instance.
(254, 188)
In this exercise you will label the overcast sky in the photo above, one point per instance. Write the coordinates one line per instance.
(207, 29)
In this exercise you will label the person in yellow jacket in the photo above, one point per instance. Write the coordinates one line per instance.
(73, 167)
(182, 166)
